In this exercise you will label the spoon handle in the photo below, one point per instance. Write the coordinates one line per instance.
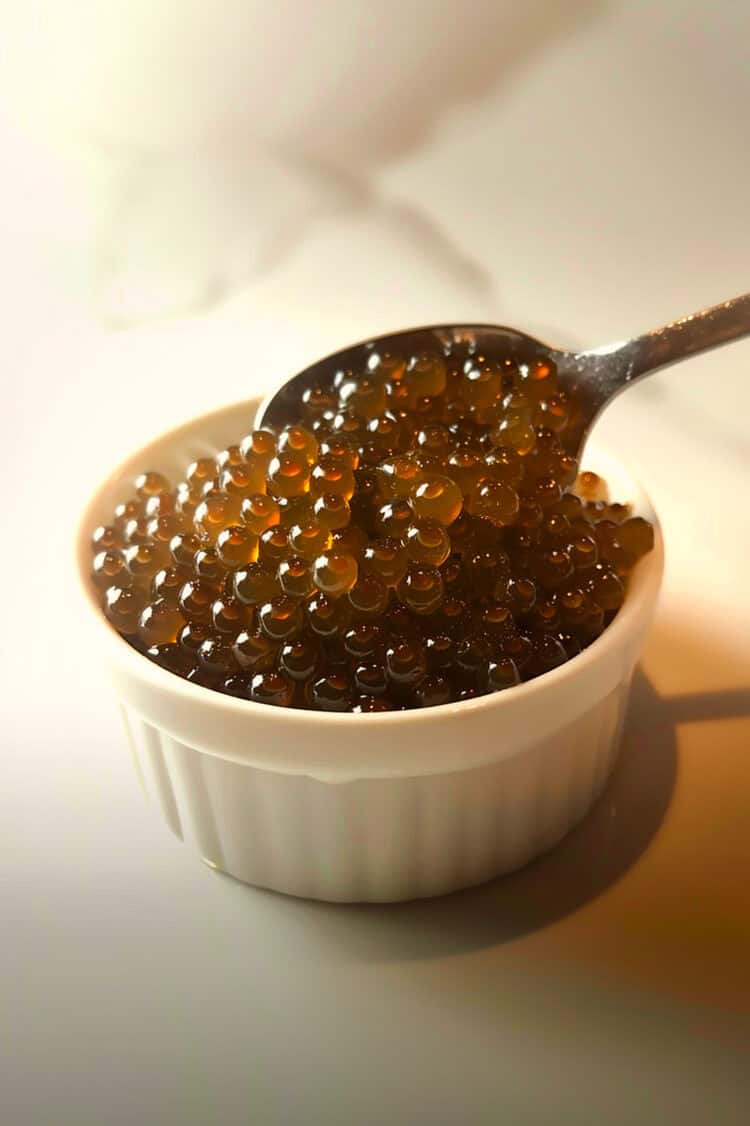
(685, 337)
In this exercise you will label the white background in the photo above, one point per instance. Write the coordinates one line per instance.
(196, 201)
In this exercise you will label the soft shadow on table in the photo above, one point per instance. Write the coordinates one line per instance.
(606, 843)
(591, 859)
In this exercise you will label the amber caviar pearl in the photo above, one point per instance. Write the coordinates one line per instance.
(236, 546)
(636, 536)
(272, 688)
(151, 485)
(370, 679)
(309, 539)
(295, 510)
(163, 506)
(482, 381)
(421, 589)
(390, 366)
(340, 449)
(426, 374)
(584, 553)
(168, 583)
(255, 584)
(405, 663)
(473, 655)
(335, 573)
(319, 405)
(229, 616)
(487, 570)
(574, 605)
(466, 468)
(548, 653)
(385, 436)
(107, 537)
(199, 472)
(162, 529)
(332, 511)
(351, 540)
(502, 673)
(386, 558)
(544, 616)
(495, 501)
(398, 476)
(300, 659)
(436, 498)
(364, 642)
(160, 624)
(434, 439)
(440, 650)
(288, 474)
(552, 568)
(196, 600)
(129, 510)
(239, 481)
(273, 546)
(368, 597)
(332, 693)
(453, 574)
(109, 569)
(281, 619)
(254, 651)
(521, 594)
(606, 588)
(327, 617)
(144, 560)
(298, 439)
(136, 530)
(394, 517)
(216, 511)
(452, 615)
(495, 620)
(260, 512)
(259, 444)
(400, 622)
(230, 457)
(427, 541)
(365, 396)
(123, 608)
(331, 475)
(295, 577)
(591, 487)
(192, 637)
(207, 565)
(433, 690)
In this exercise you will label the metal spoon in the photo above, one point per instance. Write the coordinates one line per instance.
(591, 379)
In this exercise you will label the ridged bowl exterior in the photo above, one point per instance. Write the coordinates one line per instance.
(379, 839)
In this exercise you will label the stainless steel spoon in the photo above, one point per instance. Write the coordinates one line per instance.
(591, 379)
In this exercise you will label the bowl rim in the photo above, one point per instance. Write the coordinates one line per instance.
(642, 591)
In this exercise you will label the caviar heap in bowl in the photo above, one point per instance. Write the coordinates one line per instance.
(415, 535)
(481, 746)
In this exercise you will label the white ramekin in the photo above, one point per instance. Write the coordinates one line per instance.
(376, 807)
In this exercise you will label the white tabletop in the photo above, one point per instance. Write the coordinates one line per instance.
(598, 188)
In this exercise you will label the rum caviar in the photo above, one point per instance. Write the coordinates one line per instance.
(416, 534)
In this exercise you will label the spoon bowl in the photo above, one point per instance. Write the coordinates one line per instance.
(590, 379)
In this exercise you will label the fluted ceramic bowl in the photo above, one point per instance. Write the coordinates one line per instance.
(375, 807)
